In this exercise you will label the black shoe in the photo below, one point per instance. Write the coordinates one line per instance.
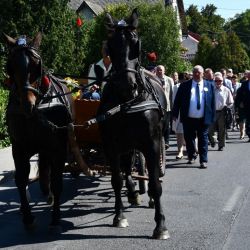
(203, 165)
(220, 148)
(213, 144)
(192, 160)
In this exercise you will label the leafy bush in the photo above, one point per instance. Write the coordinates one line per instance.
(4, 138)
(158, 30)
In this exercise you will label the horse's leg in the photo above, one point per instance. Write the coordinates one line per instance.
(117, 184)
(56, 185)
(162, 170)
(126, 163)
(22, 167)
(153, 164)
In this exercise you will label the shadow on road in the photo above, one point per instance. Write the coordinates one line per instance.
(74, 204)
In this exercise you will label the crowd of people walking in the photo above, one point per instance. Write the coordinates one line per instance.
(203, 107)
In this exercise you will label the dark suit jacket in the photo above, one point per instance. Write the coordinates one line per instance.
(182, 102)
(243, 96)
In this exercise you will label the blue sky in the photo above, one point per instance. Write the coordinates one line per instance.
(225, 8)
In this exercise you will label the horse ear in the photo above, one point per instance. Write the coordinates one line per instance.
(10, 41)
(36, 42)
(133, 19)
(109, 23)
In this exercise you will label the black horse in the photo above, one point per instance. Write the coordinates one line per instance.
(33, 119)
(133, 108)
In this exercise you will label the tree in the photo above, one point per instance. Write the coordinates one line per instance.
(194, 19)
(206, 22)
(232, 53)
(158, 30)
(226, 52)
(241, 26)
(63, 43)
(203, 55)
(213, 24)
(60, 41)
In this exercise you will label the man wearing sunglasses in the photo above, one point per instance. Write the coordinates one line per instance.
(223, 100)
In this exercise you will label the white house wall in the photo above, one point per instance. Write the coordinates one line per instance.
(191, 45)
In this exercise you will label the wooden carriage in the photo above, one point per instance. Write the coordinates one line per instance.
(89, 144)
(85, 110)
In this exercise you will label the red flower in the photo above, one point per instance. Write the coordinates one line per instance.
(45, 83)
(152, 57)
(79, 22)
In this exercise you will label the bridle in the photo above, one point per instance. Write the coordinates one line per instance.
(130, 38)
(33, 85)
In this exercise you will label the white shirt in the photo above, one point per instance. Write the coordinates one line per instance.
(92, 72)
(193, 111)
(223, 98)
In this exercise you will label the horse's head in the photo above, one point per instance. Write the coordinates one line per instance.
(24, 67)
(124, 49)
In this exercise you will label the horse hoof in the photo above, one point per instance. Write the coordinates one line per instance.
(161, 235)
(88, 172)
(136, 200)
(55, 229)
(120, 223)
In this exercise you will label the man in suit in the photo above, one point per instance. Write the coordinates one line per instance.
(195, 101)
(243, 101)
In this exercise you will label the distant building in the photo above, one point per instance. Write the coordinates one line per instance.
(90, 9)
(190, 45)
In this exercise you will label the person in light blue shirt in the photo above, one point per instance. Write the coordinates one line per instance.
(92, 93)
(226, 82)
(209, 75)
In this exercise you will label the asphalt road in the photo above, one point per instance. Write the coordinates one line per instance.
(204, 208)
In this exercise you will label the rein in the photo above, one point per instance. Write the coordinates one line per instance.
(130, 106)
(76, 87)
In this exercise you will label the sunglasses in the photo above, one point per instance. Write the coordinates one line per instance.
(218, 80)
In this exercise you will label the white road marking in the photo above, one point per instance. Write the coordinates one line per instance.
(233, 199)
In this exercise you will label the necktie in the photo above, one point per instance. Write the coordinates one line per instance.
(198, 96)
